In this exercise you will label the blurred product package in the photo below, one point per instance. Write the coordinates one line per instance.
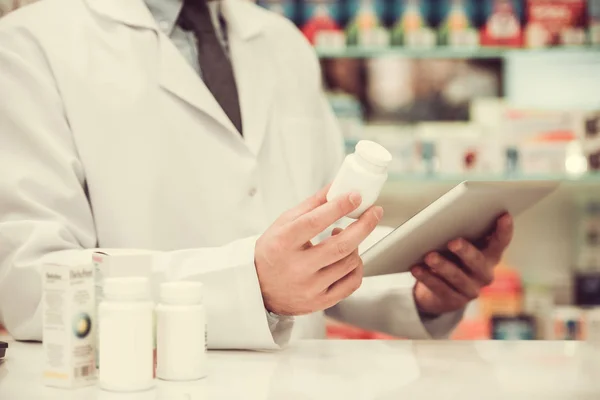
(349, 113)
(321, 23)
(556, 23)
(366, 23)
(568, 323)
(539, 303)
(594, 21)
(500, 140)
(588, 237)
(586, 284)
(587, 288)
(504, 297)
(401, 142)
(458, 23)
(593, 326)
(412, 23)
(460, 148)
(551, 157)
(591, 145)
(520, 327)
(547, 141)
(502, 23)
(287, 8)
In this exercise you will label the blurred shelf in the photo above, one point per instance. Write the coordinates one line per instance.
(589, 178)
(448, 52)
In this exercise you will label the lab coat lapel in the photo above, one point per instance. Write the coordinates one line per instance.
(175, 74)
(255, 77)
(180, 79)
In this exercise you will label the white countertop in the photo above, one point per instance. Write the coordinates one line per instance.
(355, 370)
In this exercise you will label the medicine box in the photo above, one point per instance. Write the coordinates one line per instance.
(366, 23)
(412, 24)
(503, 22)
(594, 21)
(555, 23)
(320, 22)
(458, 23)
(461, 148)
(69, 319)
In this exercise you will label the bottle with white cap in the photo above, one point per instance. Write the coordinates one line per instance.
(126, 337)
(181, 335)
(364, 172)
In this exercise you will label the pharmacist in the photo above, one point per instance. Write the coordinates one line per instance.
(118, 131)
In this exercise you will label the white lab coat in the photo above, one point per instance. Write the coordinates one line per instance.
(108, 139)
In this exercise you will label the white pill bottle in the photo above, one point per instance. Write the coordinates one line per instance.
(126, 337)
(181, 335)
(365, 171)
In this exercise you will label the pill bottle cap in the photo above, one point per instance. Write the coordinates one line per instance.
(126, 289)
(181, 293)
(374, 154)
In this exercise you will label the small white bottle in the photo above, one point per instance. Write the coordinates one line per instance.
(181, 335)
(126, 337)
(364, 172)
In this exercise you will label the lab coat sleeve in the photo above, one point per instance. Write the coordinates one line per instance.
(45, 216)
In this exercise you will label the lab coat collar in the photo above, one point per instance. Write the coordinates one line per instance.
(238, 15)
(134, 13)
(253, 74)
(165, 12)
(242, 18)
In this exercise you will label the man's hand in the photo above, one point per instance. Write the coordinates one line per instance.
(298, 278)
(444, 285)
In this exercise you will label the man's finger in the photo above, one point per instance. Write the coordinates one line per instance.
(440, 288)
(309, 225)
(343, 288)
(500, 239)
(453, 275)
(473, 260)
(314, 201)
(340, 246)
(327, 276)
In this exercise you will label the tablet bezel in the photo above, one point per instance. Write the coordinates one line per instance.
(504, 196)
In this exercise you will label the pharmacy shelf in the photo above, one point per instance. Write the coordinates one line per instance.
(585, 179)
(447, 52)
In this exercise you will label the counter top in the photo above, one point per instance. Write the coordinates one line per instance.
(363, 370)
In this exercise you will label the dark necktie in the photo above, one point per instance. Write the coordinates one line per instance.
(215, 66)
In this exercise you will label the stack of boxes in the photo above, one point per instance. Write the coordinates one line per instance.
(499, 141)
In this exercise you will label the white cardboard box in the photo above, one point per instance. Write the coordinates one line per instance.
(69, 325)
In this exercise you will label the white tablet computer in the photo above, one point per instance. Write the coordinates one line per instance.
(467, 211)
